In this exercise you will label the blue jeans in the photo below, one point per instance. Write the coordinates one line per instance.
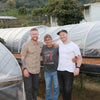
(49, 78)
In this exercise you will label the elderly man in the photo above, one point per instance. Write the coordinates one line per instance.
(50, 61)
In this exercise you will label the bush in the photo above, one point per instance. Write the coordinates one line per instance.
(22, 11)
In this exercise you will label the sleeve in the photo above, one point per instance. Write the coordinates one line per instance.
(24, 50)
(58, 51)
(77, 51)
(42, 44)
(42, 51)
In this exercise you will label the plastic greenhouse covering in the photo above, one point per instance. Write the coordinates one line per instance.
(12, 92)
(9, 68)
(15, 37)
(85, 35)
(11, 85)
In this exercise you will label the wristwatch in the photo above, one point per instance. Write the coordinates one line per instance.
(24, 68)
(77, 67)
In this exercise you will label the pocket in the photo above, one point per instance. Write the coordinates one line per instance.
(31, 50)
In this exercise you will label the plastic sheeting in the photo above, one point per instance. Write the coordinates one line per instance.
(85, 35)
(9, 67)
(12, 92)
(15, 37)
(7, 17)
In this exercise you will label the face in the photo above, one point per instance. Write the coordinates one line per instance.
(48, 41)
(63, 36)
(34, 35)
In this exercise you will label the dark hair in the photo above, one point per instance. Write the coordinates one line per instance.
(47, 36)
(62, 31)
(33, 29)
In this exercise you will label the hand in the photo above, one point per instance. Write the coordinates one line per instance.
(26, 73)
(55, 45)
(76, 72)
(74, 59)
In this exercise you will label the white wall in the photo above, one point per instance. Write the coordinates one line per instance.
(95, 12)
(92, 13)
(53, 21)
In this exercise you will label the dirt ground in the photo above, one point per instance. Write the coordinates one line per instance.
(39, 98)
(90, 91)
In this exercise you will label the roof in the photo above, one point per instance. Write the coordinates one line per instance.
(8, 17)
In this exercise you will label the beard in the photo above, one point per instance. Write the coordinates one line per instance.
(63, 39)
(35, 38)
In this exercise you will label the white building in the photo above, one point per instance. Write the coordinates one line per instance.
(92, 12)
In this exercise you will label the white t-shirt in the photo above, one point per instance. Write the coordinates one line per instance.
(66, 53)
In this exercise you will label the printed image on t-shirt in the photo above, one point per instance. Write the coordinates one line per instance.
(48, 57)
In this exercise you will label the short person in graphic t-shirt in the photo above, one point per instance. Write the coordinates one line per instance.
(66, 68)
(50, 62)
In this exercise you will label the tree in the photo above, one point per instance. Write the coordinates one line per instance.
(2, 41)
(22, 11)
(19, 4)
(50, 6)
(11, 4)
(37, 12)
(66, 11)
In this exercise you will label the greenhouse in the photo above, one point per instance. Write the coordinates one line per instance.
(85, 35)
(11, 87)
(15, 37)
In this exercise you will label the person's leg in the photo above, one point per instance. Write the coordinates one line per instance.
(48, 85)
(28, 87)
(55, 85)
(35, 83)
(68, 81)
(61, 82)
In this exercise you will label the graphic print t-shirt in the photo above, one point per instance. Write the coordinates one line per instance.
(50, 58)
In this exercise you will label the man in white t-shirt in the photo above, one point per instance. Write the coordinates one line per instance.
(66, 67)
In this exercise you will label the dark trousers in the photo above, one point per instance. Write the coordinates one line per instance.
(31, 86)
(65, 80)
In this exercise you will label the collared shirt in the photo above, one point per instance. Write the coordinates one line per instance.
(32, 52)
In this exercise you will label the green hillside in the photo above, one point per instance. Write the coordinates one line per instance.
(25, 3)
(28, 12)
